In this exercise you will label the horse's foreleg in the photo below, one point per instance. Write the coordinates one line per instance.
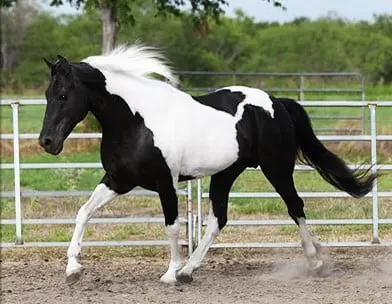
(169, 200)
(175, 261)
(101, 196)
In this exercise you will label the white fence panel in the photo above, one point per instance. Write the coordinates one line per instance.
(191, 220)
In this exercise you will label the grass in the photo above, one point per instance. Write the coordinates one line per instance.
(252, 181)
(87, 179)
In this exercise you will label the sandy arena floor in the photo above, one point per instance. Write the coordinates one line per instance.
(351, 275)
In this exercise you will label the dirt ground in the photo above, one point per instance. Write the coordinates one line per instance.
(351, 275)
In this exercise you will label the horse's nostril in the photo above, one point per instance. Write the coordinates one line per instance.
(46, 141)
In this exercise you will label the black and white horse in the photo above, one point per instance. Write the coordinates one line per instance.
(154, 135)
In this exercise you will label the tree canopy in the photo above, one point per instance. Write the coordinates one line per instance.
(329, 44)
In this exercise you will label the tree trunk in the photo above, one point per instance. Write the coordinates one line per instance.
(109, 27)
(4, 42)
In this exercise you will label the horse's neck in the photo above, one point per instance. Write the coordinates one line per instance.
(125, 96)
(144, 96)
(112, 113)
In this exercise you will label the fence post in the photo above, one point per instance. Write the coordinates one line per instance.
(301, 88)
(373, 134)
(199, 210)
(18, 209)
(190, 218)
(363, 98)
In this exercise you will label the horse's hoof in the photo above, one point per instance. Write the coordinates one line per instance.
(74, 274)
(73, 278)
(168, 279)
(317, 268)
(184, 277)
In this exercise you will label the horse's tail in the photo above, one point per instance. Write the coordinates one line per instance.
(311, 151)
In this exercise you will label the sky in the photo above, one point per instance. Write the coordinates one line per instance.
(263, 11)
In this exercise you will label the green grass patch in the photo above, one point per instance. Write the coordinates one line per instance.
(54, 179)
(30, 118)
(257, 206)
(7, 233)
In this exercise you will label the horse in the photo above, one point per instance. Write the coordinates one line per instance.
(154, 136)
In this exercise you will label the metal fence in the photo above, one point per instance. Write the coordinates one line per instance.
(375, 221)
(18, 193)
(300, 85)
(192, 220)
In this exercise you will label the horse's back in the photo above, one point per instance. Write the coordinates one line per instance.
(225, 129)
(233, 99)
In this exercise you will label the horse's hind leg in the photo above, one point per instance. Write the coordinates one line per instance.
(281, 178)
(219, 194)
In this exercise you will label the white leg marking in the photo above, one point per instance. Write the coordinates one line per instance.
(101, 196)
(310, 245)
(173, 232)
(198, 255)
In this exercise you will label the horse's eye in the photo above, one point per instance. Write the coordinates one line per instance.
(62, 97)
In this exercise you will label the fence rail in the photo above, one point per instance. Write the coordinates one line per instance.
(375, 221)
(193, 222)
(300, 88)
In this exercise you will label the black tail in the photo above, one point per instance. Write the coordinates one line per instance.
(311, 151)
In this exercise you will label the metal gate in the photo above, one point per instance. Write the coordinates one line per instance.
(192, 219)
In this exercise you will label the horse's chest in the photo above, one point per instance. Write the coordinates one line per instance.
(132, 160)
(117, 165)
(118, 159)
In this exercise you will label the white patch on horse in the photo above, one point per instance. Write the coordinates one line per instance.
(195, 139)
(309, 245)
(100, 196)
(172, 232)
(254, 97)
(198, 255)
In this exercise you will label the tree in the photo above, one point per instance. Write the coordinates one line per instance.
(114, 12)
(14, 23)
(6, 3)
(311, 46)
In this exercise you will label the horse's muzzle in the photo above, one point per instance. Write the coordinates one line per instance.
(50, 145)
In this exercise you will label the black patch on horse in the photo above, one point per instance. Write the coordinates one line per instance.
(223, 100)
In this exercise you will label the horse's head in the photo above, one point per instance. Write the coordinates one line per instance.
(67, 104)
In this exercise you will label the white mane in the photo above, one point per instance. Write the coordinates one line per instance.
(136, 60)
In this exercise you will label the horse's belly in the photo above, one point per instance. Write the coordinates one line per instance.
(209, 153)
(198, 141)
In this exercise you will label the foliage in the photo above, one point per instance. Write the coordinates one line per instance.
(200, 9)
(233, 44)
(7, 3)
(116, 12)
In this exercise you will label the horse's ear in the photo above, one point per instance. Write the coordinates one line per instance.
(48, 63)
(64, 64)
(61, 58)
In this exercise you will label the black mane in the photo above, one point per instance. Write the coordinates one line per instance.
(88, 74)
